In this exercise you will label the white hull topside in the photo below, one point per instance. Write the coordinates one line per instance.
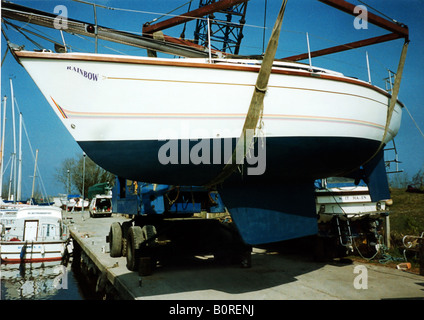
(122, 110)
(11, 251)
(122, 98)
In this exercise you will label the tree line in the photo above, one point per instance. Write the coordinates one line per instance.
(402, 180)
(70, 174)
(72, 171)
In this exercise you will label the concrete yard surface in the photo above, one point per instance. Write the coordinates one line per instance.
(275, 274)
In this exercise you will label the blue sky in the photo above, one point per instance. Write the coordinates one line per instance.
(325, 25)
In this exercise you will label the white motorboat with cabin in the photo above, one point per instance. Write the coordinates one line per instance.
(341, 197)
(32, 234)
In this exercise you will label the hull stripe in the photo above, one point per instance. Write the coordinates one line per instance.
(245, 85)
(188, 116)
(60, 109)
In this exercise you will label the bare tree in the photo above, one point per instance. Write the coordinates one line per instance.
(418, 179)
(63, 174)
(93, 174)
(399, 180)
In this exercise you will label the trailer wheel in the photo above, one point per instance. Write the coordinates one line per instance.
(125, 227)
(124, 246)
(115, 240)
(148, 256)
(135, 238)
(149, 231)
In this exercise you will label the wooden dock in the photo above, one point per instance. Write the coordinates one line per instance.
(90, 235)
(276, 273)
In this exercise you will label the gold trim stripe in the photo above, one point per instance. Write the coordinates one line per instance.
(216, 116)
(244, 84)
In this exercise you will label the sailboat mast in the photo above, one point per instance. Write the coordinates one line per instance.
(9, 197)
(18, 194)
(3, 123)
(35, 172)
(14, 145)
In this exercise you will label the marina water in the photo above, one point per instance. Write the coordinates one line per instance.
(45, 281)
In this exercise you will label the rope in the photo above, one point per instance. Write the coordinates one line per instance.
(21, 29)
(415, 123)
(388, 258)
(382, 248)
(161, 14)
(395, 92)
(182, 35)
(41, 182)
(28, 38)
(4, 56)
(384, 15)
(169, 13)
(256, 105)
(392, 101)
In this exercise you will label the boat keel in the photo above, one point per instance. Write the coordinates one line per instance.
(272, 213)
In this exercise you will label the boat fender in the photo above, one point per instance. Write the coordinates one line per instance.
(23, 251)
(70, 246)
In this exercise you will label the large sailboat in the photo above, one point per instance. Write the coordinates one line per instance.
(205, 120)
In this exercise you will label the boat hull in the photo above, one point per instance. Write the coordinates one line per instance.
(124, 110)
(37, 251)
(299, 158)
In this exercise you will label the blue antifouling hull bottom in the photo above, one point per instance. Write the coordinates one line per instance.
(376, 178)
(272, 213)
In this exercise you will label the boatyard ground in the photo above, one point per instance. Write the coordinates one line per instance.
(406, 214)
(406, 218)
(279, 271)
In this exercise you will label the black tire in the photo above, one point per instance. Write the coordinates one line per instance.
(126, 225)
(124, 246)
(115, 240)
(149, 231)
(148, 256)
(134, 239)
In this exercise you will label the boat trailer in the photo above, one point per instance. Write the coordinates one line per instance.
(169, 221)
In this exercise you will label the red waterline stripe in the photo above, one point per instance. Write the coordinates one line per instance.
(11, 261)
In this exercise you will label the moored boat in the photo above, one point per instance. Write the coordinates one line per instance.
(32, 234)
(341, 197)
(349, 220)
